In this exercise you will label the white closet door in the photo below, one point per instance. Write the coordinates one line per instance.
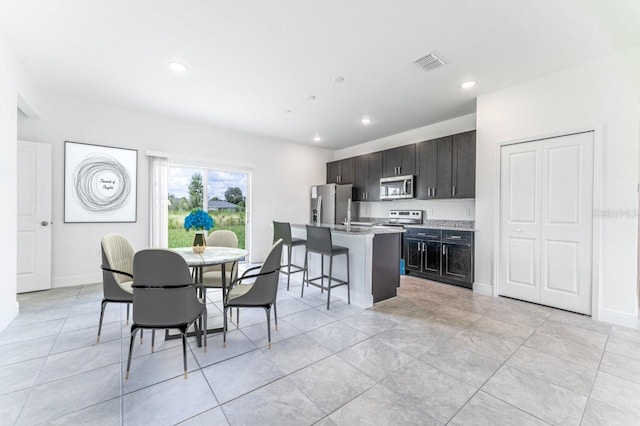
(566, 234)
(546, 221)
(34, 216)
(520, 215)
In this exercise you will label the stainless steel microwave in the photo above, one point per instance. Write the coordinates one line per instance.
(397, 187)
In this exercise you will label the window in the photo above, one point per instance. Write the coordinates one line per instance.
(222, 193)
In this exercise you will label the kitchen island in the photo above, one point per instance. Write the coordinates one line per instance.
(374, 256)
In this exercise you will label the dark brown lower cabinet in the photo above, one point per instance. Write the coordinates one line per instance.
(440, 255)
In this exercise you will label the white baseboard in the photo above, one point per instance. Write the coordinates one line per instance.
(619, 318)
(76, 280)
(485, 289)
(8, 311)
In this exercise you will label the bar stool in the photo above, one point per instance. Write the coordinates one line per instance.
(319, 241)
(282, 230)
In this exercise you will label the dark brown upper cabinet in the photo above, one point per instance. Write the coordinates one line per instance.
(444, 168)
(367, 171)
(447, 167)
(434, 168)
(463, 169)
(399, 161)
(340, 171)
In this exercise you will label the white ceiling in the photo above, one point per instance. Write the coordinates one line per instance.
(248, 61)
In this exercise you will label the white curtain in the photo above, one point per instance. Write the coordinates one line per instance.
(158, 202)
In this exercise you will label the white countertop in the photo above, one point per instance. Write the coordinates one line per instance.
(356, 230)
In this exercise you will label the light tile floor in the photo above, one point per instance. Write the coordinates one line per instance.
(436, 354)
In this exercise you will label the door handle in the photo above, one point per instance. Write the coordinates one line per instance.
(454, 191)
(44, 223)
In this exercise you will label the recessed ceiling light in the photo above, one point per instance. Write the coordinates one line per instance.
(177, 66)
(468, 84)
(317, 138)
(338, 79)
(310, 98)
(366, 120)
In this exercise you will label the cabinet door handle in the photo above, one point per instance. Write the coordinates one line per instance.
(454, 190)
(444, 250)
(433, 192)
(423, 247)
(455, 237)
(428, 192)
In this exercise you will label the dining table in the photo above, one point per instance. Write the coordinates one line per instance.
(210, 257)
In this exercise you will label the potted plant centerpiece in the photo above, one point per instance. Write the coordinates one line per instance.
(200, 221)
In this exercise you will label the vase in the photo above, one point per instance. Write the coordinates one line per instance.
(199, 242)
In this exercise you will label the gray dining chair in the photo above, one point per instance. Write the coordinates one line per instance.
(164, 297)
(261, 293)
(212, 275)
(117, 273)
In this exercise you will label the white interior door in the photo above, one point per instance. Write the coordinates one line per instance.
(546, 221)
(34, 216)
(520, 216)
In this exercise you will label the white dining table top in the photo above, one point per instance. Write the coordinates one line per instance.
(211, 255)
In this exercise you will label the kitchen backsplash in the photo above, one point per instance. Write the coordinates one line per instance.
(457, 210)
(468, 225)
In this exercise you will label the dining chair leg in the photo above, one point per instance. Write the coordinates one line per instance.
(184, 349)
(224, 327)
(153, 339)
(141, 334)
(237, 318)
(128, 306)
(104, 305)
(268, 312)
(275, 314)
(204, 330)
(133, 337)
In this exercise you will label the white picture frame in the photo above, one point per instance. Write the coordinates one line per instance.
(100, 183)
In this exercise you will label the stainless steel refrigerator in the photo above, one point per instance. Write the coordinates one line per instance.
(329, 203)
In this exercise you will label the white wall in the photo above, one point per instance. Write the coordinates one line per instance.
(281, 177)
(15, 91)
(434, 209)
(604, 95)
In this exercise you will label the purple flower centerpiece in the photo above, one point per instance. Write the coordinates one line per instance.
(200, 221)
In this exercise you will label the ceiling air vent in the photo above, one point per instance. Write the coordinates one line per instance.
(430, 62)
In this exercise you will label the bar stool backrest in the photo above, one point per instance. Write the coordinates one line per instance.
(319, 239)
(282, 230)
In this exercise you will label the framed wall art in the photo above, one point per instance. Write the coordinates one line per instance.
(100, 183)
